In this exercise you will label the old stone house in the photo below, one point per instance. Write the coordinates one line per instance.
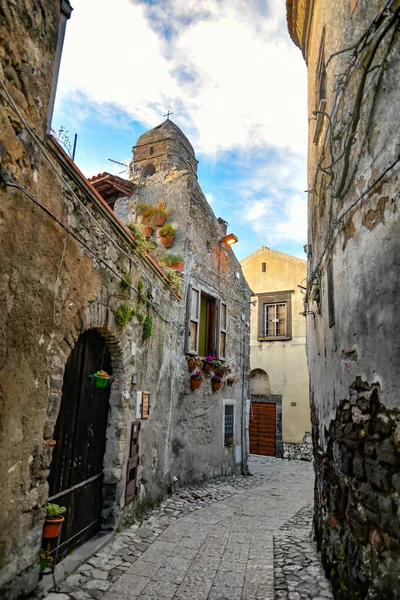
(352, 304)
(279, 419)
(79, 294)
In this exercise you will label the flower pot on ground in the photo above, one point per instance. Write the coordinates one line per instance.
(53, 520)
(196, 380)
(166, 235)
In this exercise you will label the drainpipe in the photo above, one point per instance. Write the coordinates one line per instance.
(245, 470)
(66, 10)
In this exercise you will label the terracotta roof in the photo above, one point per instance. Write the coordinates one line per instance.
(112, 187)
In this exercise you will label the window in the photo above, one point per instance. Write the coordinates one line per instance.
(145, 405)
(320, 88)
(263, 267)
(207, 325)
(148, 171)
(275, 316)
(331, 302)
(151, 150)
(229, 423)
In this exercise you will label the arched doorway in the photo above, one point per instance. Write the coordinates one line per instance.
(262, 422)
(76, 476)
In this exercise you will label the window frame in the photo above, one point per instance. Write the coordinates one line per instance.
(284, 297)
(220, 329)
(224, 436)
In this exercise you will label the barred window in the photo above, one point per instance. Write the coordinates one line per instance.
(275, 316)
(229, 418)
(275, 320)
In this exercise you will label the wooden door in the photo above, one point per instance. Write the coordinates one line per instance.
(133, 463)
(76, 477)
(262, 428)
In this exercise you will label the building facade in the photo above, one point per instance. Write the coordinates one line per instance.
(353, 322)
(279, 419)
(80, 293)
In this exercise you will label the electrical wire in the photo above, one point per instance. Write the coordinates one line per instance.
(41, 146)
(9, 182)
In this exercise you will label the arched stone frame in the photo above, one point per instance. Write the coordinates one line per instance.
(99, 317)
(148, 170)
(265, 388)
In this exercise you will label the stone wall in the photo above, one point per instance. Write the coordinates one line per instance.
(303, 451)
(354, 314)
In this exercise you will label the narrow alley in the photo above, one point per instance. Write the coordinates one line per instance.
(232, 538)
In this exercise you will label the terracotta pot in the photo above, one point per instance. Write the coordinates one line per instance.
(216, 385)
(191, 365)
(207, 366)
(167, 241)
(195, 383)
(51, 527)
(148, 230)
(229, 383)
(177, 266)
(159, 220)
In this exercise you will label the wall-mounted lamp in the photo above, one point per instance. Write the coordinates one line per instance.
(229, 239)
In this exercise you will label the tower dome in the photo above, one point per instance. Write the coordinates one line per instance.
(162, 148)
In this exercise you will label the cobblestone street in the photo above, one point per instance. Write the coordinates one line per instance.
(234, 538)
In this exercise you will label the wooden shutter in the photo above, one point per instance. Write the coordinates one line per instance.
(133, 463)
(193, 321)
(331, 301)
(145, 405)
(222, 330)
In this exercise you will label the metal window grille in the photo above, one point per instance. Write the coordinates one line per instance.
(275, 320)
(228, 423)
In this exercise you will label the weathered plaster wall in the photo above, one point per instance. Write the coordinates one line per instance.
(284, 361)
(354, 375)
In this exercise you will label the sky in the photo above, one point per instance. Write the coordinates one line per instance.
(236, 85)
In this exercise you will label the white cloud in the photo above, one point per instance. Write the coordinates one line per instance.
(230, 74)
(210, 198)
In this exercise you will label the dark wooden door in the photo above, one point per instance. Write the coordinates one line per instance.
(262, 429)
(76, 478)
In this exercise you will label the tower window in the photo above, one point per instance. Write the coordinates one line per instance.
(263, 267)
(151, 150)
(149, 170)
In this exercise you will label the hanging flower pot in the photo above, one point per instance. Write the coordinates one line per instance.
(216, 383)
(196, 380)
(147, 230)
(208, 363)
(101, 379)
(159, 220)
(166, 235)
(53, 520)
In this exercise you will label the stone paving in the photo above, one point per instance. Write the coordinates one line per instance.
(234, 538)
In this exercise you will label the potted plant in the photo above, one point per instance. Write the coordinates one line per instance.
(102, 379)
(173, 261)
(160, 214)
(231, 380)
(166, 235)
(230, 442)
(216, 382)
(193, 362)
(195, 380)
(208, 363)
(145, 218)
(53, 520)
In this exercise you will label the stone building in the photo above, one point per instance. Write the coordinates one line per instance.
(352, 305)
(279, 422)
(78, 294)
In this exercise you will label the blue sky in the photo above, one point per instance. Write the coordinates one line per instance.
(235, 83)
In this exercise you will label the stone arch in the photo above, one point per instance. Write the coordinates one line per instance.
(148, 170)
(99, 317)
(259, 382)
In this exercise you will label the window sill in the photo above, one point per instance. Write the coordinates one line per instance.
(274, 339)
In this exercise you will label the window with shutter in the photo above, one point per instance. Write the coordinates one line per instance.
(192, 346)
(133, 463)
(229, 423)
(145, 405)
(206, 325)
(222, 331)
(275, 316)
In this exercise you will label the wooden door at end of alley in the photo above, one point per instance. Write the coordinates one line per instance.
(262, 429)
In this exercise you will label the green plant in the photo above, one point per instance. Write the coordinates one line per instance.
(142, 244)
(167, 231)
(147, 213)
(137, 314)
(161, 209)
(176, 282)
(147, 327)
(126, 282)
(230, 442)
(196, 375)
(54, 510)
(140, 287)
(169, 259)
(122, 315)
